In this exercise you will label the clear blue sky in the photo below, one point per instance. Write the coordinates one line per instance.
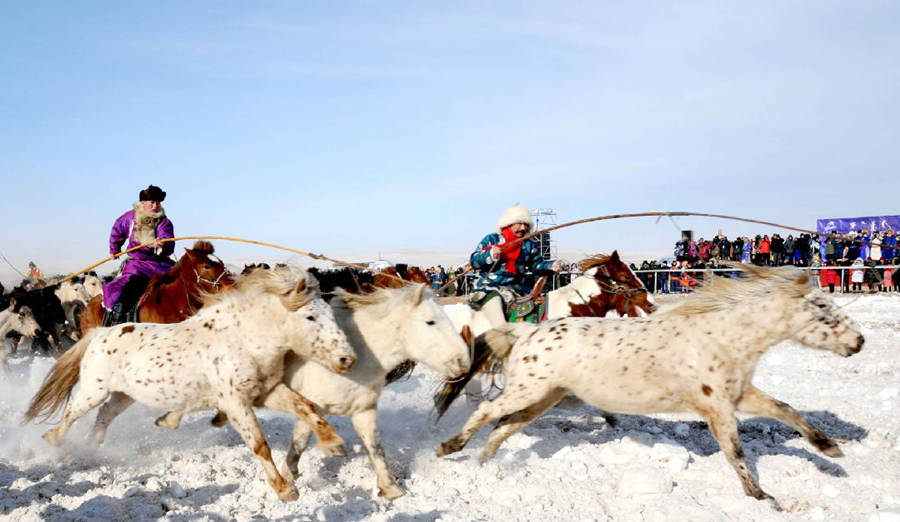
(335, 127)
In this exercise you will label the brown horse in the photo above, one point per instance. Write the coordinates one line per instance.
(176, 295)
(608, 284)
(620, 289)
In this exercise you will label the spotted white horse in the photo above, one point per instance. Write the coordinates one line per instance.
(698, 356)
(229, 356)
(385, 328)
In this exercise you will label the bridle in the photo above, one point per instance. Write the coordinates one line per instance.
(214, 284)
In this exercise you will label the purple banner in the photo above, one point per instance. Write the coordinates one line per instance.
(870, 223)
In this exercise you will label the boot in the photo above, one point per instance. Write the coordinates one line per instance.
(114, 316)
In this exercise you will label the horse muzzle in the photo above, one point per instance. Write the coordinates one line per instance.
(851, 350)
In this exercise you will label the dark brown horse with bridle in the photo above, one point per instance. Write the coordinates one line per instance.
(176, 295)
(620, 289)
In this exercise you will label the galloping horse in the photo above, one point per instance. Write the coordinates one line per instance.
(176, 295)
(385, 327)
(229, 356)
(698, 356)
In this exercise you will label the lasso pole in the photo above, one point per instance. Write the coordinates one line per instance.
(632, 215)
(225, 238)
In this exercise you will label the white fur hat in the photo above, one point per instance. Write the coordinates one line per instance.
(515, 214)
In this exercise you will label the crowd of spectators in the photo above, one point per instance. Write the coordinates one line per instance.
(870, 258)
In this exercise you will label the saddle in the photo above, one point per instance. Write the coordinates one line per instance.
(531, 307)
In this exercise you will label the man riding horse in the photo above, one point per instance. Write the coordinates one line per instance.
(146, 222)
(507, 269)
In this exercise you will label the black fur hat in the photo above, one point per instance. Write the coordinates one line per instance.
(152, 193)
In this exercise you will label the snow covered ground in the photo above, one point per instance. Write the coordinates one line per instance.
(567, 465)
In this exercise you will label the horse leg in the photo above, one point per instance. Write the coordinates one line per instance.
(757, 402)
(170, 420)
(508, 402)
(724, 429)
(117, 403)
(282, 398)
(299, 441)
(246, 424)
(366, 425)
(513, 423)
(78, 406)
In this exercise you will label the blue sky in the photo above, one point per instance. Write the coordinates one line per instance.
(336, 127)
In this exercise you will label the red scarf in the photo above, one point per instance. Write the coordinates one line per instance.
(510, 252)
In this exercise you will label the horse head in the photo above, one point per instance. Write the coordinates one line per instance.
(619, 288)
(311, 320)
(204, 271)
(816, 320)
(431, 336)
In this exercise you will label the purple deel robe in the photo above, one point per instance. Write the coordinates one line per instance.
(145, 261)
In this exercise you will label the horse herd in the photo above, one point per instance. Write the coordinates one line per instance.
(325, 343)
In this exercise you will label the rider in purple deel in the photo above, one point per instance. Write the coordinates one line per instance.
(146, 222)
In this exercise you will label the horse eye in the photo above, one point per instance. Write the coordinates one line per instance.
(429, 323)
(311, 318)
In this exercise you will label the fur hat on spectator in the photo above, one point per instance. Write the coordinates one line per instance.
(152, 193)
(515, 214)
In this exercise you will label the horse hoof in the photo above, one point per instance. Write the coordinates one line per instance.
(219, 420)
(289, 494)
(391, 492)
(163, 422)
(51, 438)
(833, 451)
(335, 450)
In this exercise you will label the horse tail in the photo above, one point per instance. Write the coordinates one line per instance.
(488, 348)
(57, 386)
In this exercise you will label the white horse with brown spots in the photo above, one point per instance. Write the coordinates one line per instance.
(385, 328)
(698, 356)
(228, 356)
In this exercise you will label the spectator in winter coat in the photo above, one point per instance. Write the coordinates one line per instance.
(828, 277)
(777, 249)
(889, 245)
(856, 274)
(789, 249)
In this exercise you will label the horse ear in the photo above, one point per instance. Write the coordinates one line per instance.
(614, 257)
(188, 251)
(301, 286)
(12, 303)
(419, 293)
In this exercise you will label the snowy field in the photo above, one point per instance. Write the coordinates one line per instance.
(567, 465)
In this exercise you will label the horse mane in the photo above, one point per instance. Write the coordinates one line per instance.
(354, 301)
(720, 292)
(281, 282)
(590, 262)
(201, 247)
(204, 247)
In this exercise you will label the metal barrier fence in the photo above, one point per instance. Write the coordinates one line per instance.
(675, 284)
